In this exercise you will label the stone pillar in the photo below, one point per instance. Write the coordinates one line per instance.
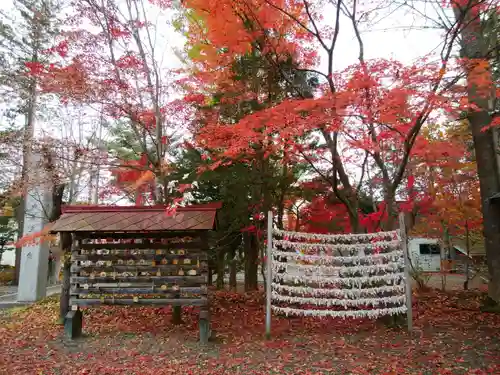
(35, 257)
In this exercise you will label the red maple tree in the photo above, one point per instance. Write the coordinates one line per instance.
(366, 117)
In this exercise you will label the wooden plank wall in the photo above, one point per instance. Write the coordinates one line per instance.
(125, 269)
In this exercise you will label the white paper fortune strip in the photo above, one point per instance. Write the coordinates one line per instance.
(334, 292)
(355, 247)
(329, 302)
(350, 281)
(371, 314)
(341, 271)
(336, 237)
(327, 259)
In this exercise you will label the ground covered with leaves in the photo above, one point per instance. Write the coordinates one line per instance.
(451, 336)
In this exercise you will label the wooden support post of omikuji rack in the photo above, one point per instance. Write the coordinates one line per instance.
(177, 312)
(73, 324)
(204, 326)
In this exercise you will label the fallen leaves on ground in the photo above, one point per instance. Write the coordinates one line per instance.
(451, 336)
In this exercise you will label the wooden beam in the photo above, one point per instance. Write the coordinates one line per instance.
(181, 280)
(150, 301)
(134, 290)
(139, 268)
(158, 258)
(152, 246)
(138, 235)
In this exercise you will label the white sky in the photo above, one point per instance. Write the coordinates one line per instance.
(398, 35)
(388, 38)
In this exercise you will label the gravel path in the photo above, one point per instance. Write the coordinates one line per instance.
(8, 295)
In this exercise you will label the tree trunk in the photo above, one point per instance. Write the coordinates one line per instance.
(220, 268)
(247, 251)
(232, 272)
(467, 247)
(210, 277)
(282, 196)
(354, 221)
(281, 213)
(233, 282)
(251, 263)
(474, 50)
(445, 255)
(176, 314)
(392, 212)
(57, 201)
(297, 222)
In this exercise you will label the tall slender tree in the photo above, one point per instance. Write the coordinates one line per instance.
(483, 116)
(25, 33)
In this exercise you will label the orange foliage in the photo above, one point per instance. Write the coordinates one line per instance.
(134, 176)
(237, 25)
(36, 237)
(219, 31)
(445, 172)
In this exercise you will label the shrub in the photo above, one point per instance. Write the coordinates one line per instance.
(6, 275)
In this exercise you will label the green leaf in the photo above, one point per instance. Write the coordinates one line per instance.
(178, 24)
(194, 52)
